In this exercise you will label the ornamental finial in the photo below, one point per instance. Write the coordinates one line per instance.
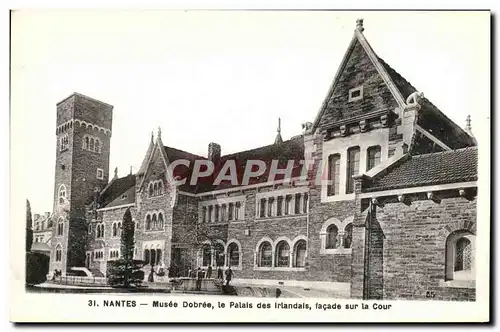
(359, 25)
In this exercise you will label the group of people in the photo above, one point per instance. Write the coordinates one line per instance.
(200, 274)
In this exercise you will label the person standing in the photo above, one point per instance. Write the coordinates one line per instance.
(199, 277)
(229, 275)
(209, 272)
(220, 275)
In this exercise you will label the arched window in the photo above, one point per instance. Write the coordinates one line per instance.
(160, 220)
(153, 257)
(60, 227)
(90, 228)
(300, 253)
(119, 229)
(463, 255)
(348, 236)
(207, 255)
(219, 254)
(331, 237)
(61, 193)
(155, 189)
(460, 256)
(265, 255)
(150, 189)
(158, 255)
(115, 232)
(148, 222)
(102, 230)
(146, 256)
(154, 222)
(97, 146)
(160, 187)
(91, 144)
(282, 254)
(86, 143)
(58, 253)
(234, 254)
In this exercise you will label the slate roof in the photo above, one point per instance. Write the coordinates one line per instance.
(40, 246)
(119, 191)
(429, 169)
(292, 149)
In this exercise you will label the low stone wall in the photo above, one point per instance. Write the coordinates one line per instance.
(212, 286)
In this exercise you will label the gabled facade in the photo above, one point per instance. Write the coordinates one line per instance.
(324, 225)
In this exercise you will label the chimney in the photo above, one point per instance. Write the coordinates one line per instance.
(47, 215)
(36, 217)
(214, 152)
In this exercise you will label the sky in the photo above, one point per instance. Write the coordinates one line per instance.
(223, 77)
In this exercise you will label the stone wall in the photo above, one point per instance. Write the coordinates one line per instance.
(406, 247)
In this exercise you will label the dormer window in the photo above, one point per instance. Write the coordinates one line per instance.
(356, 93)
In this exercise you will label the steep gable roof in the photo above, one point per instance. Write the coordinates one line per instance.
(145, 161)
(112, 194)
(359, 38)
(429, 169)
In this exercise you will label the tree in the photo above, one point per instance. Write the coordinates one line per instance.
(37, 265)
(29, 227)
(126, 272)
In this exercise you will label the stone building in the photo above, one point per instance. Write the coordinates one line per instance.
(42, 232)
(379, 200)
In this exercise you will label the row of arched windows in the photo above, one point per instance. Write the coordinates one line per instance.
(283, 254)
(99, 231)
(61, 194)
(117, 229)
(92, 143)
(155, 188)
(154, 221)
(152, 255)
(63, 142)
(334, 239)
(60, 227)
(114, 254)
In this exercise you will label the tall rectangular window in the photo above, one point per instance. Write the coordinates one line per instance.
(270, 203)
(352, 168)
(288, 204)
(373, 158)
(334, 174)
(210, 209)
(279, 208)
(204, 214)
(230, 211)
(216, 214)
(262, 213)
(237, 211)
(297, 203)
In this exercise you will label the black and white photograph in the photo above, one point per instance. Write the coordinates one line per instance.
(250, 165)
